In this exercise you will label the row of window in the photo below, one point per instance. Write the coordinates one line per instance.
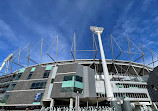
(37, 98)
(71, 89)
(131, 95)
(123, 85)
(123, 79)
(6, 79)
(38, 85)
(70, 78)
(45, 75)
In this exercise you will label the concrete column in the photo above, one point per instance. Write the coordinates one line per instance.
(52, 103)
(97, 103)
(71, 103)
(126, 106)
(116, 105)
(109, 92)
(87, 104)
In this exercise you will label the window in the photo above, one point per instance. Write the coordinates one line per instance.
(68, 78)
(71, 89)
(17, 77)
(52, 80)
(77, 90)
(46, 74)
(5, 98)
(131, 95)
(79, 79)
(29, 77)
(38, 85)
(67, 89)
(123, 85)
(11, 87)
(72, 84)
(38, 97)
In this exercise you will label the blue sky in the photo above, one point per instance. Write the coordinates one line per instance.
(24, 21)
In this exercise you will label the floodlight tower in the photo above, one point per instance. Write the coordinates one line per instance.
(109, 92)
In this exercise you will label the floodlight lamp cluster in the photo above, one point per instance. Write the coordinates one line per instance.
(96, 30)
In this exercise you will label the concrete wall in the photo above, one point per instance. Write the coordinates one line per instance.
(22, 97)
(89, 82)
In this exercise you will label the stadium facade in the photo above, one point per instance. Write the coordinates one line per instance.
(81, 83)
(58, 85)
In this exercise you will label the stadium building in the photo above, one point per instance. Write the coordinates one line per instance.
(81, 84)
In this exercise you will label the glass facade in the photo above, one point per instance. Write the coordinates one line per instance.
(4, 99)
(33, 69)
(30, 75)
(11, 87)
(68, 78)
(72, 84)
(18, 76)
(38, 85)
(46, 74)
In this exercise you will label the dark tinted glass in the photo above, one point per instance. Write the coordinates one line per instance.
(67, 89)
(5, 98)
(78, 78)
(11, 87)
(68, 78)
(29, 77)
(46, 74)
(18, 76)
(77, 89)
(38, 85)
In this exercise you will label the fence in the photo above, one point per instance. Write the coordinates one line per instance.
(90, 108)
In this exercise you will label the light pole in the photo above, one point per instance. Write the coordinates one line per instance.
(109, 92)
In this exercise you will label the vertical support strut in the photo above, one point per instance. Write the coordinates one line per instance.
(19, 57)
(152, 58)
(93, 47)
(12, 63)
(112, 49)
(109, 92)
(129, 50)
(41, 50)
(75, 46)
(28, 59)
(57, 50)
(143, 57)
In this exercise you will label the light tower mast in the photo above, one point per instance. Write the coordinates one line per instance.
(109, 92)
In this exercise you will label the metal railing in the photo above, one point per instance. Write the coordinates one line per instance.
(90, 108)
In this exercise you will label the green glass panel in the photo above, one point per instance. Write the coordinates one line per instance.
(48, 68)
(119, 86)
(5, 98)
(22, 70)
(33, 69)
(1, 104)
(68, 84)
(79, 84)
(36, 103)
(73, 78)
